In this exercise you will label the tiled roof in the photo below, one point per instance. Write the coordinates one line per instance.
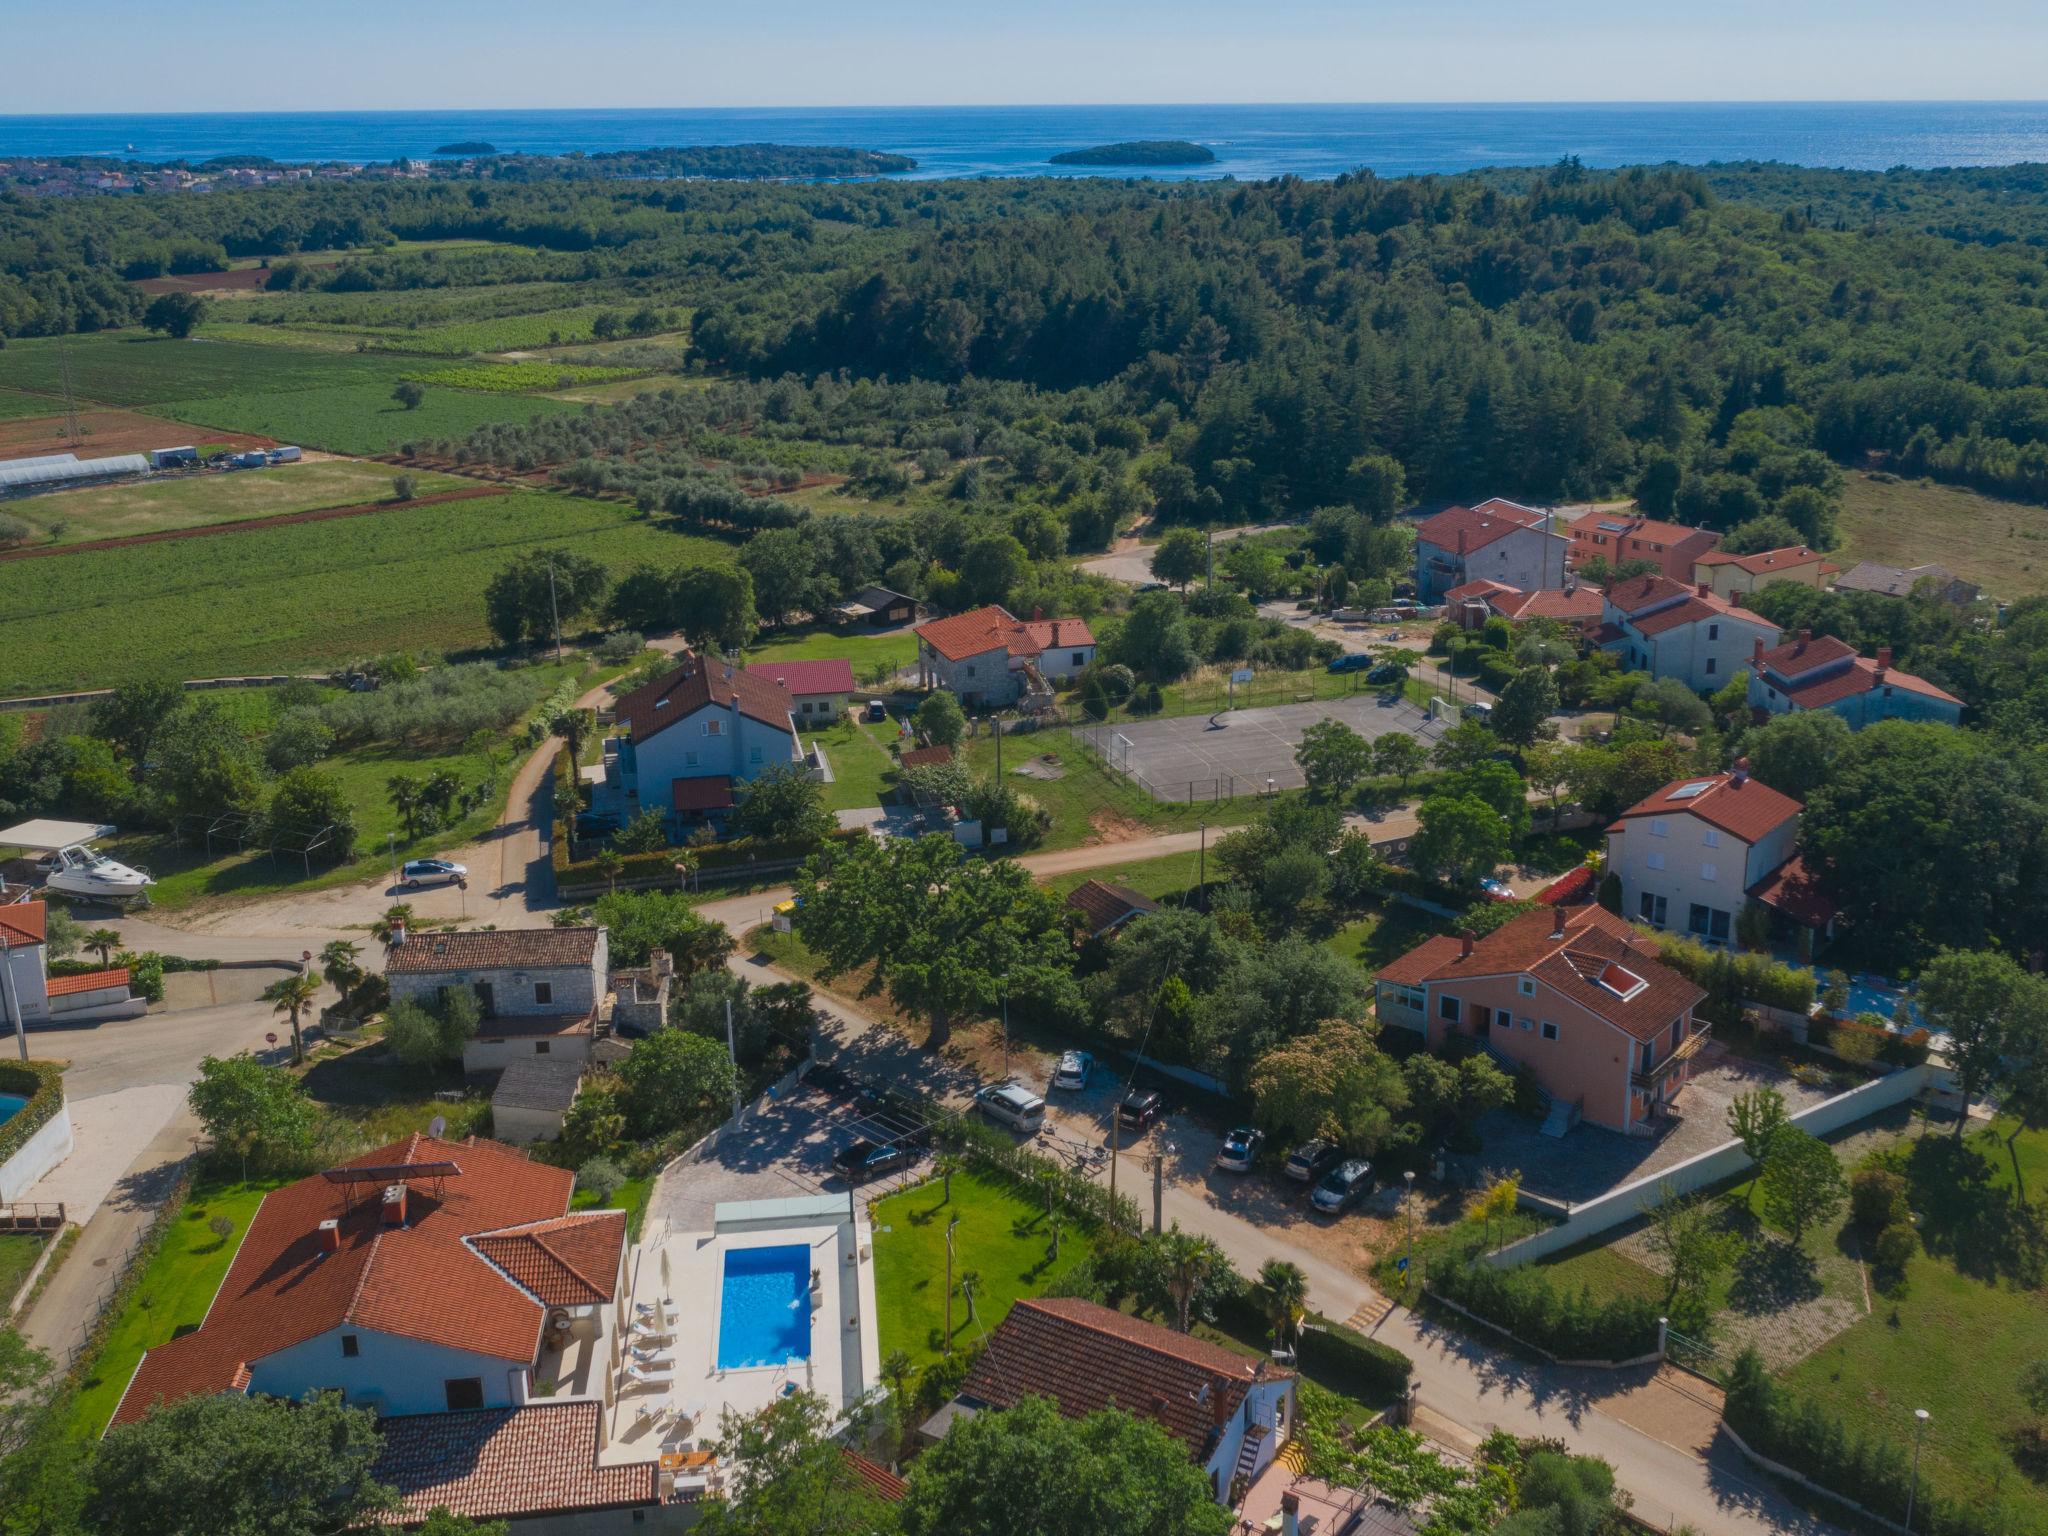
(537, 1082)
(1581, 605)
(1501, 506)
(495, 1463)
(86, 981)
(565, 1261)
(699, 685)
(1792, 889)
(710, 792)
(1058, 634)
(1675, 603)
(1764, 561)
(1744, 809)
(927, 757)
(830, 675)
(1860, 676)
(420, 1281)
(1802, 654)
(1569, 963)
(1478, 528)
(1485, 587)
(1890, 580)
(1085, 1357)
(1632, 527)
(1103, 905)
(493, 949)
(22, 922)
(880, 1481)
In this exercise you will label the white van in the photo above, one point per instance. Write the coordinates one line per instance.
(1008, 1104)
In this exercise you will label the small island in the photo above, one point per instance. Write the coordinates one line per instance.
(1139, 152)
(468, 147)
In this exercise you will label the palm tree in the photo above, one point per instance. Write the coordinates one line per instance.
(293, 995)
(338, 965)
(946, 1165)
(609, 863)
(1051, 1186)
(1186, 1258)
(104, 940)
(397, 915)
(403, 791)
(1285, 1289)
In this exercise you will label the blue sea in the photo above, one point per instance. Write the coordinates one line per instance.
(1249, 141)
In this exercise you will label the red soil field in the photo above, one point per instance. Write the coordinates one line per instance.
(108, 432)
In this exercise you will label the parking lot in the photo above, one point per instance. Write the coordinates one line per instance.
(1245, 751)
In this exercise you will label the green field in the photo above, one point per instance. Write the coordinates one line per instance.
(128, 368)
(175, 1290)
(517, 378)
(1168, 878)
(17, 406)
(863, 651)
(116, 511)
(2000, 545)
(300, 597)
(356, 417)
(1001, 1236)
(18, 1255)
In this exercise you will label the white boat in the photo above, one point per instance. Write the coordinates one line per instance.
(82, 870)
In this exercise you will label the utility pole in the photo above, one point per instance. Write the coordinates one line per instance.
(554, 610)
(1913, 1494)
(1006, 1029)
(13, 999)
(1202, 866)
(950, 1225)
(1158, 1191)
(1209, 557)
(733, 1055)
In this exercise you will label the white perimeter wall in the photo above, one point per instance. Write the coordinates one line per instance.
(50, 1145)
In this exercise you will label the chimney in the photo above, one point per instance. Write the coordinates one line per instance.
(1805, 638)
(1219, 1408)
(659, 964)
(1704, 588)
(1740, 776)
(1290, 1513)
(1884, 661)
(1756, 653)
(329, 1234)
(394, 1205)
(1461, 541)
(1465, 944)
(397, 933)
(1557, 921)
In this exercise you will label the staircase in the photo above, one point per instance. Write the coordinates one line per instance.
(1559, 1116)
(1248, 1453)
(1562, 1117)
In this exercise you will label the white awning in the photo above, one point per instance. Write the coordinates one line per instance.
(48, 836)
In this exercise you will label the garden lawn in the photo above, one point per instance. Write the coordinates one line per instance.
(1090, 804)
(1169, 878)
(18, 1254)
(191, 501)
(302, 597)
(384, 1100)
(357, 417)
(864, 651)
(1001, 1236)
(1952, 1342)
(176, 1288)
(630, 1197)
(862, 769)
(1382, 937)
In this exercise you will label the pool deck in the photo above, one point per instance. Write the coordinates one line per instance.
(686, 1271)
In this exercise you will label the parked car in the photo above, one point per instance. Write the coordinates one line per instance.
(1343, 1187)
(1141, 1106)
(1479, 710)
(877, 710)
(1240, 1148)
(1149, 586)
(1008, 1104)
(1497, 890)
(866, 1159)
(419, 872)
(1073, 1070)
(1354, 661)
(1386, 672)
(596, 823)
(1311, 1160)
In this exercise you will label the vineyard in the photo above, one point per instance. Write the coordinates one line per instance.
(518, 378)
(359, 418)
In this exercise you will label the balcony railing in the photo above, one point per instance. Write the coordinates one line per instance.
(1650, 1077)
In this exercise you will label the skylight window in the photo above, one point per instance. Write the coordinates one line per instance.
(1621, 981)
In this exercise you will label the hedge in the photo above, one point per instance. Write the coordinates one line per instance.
(1732, 978)
(1380, 1369)
(1873, 1474)
(1569, 1324)
(42, 1084)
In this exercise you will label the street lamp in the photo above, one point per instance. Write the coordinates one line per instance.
(1913, 1494)
(1408, 1203)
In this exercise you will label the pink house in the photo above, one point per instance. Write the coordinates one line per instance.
(1577, 996)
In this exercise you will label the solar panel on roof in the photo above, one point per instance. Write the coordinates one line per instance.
(1687, 791)
(1613, 527)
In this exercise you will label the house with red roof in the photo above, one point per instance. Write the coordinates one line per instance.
(1689, 855)
(1577, 606)
(1575, 994)
(1622, 537)
(819, 688)
(1497, 540)
(991, 660)
(1671, 629)
(692, 738)
(1733, 576)
(31, 996)
(538, 988)
(1232, 1413)
(1820, 672)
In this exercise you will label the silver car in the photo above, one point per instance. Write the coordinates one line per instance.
(1073, 1070)
(419, 872)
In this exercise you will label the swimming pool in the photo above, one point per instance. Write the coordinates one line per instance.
(1867, 994)
(764, 1310)
(10, 1106)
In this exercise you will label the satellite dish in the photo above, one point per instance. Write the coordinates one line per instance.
(437, 1127)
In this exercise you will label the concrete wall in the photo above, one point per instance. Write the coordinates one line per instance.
(488, 1053)
(409, 1374)
(1625, 1202)
(1703, 655)
(1059, 664)
(1528, 559)
(520, 1126)
(27, 971)
(50, 1145)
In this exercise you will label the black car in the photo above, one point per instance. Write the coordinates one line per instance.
(596, 823)
(865, 1159)
(1355, 661)
(1385, 672)
(1141, 1106)
(1311, 1160)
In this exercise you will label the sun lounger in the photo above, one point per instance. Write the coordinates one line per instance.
(636, 1375)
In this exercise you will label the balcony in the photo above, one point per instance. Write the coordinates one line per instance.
(1649, 1078)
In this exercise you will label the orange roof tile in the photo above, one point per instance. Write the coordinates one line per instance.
(1058, 634)
(22, 922)
(696, 685)
(1764, 561)
(1581, 605)
(1742, 808)
(565, 1261)
(883, 1483)
(86, 981)
(1478, 529)
(492, 949)
(495, 1463)
(826, 675)
(977, 632)
(1102, 905)
(419, 1281)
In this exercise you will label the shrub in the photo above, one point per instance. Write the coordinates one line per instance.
(1895, 1247)
(1877, 1197)
(444, 704)
(145, 974)
(1571, 1325)
(1371, 1369)
(622, 646)
(1731, 979)
(39, 1082)
(14, 531)
(601, 1176)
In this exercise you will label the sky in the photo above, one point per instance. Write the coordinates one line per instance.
(282, 55)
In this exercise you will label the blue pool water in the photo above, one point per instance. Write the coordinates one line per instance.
(764, 1311)
(10, 1106)
(1867, 994)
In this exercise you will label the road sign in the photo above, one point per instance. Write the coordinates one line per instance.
(270, 1039)
(1401, 1266)
(1241, 675)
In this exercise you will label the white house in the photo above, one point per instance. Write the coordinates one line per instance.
(31, 996)
(1497, 540)
(1232, 1413)
(1689, 855)
(1821, 672)
(991, 660)
(540, 987)
(695, 734)
(1670, 629)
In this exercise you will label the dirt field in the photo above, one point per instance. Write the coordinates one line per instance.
(206, 282)
(109, 432)
(2000, 545)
